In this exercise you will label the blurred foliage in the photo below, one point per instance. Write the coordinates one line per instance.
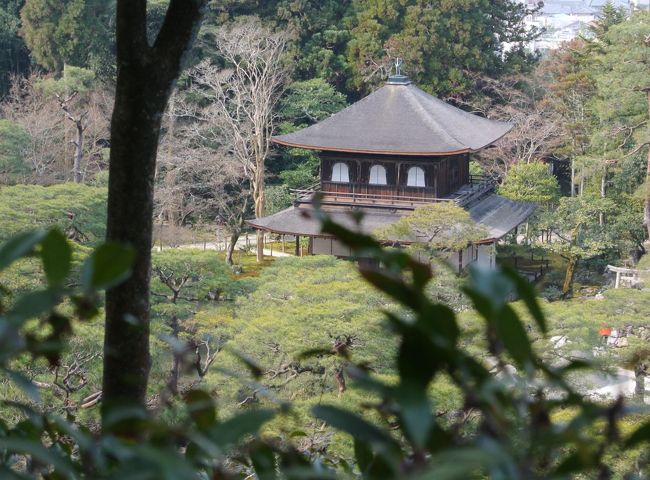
(463, 397)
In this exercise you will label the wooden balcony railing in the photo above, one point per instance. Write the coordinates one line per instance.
(389, 196)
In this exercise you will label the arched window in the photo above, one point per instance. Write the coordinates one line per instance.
(377, 175)
(340, 173)
(416, 177)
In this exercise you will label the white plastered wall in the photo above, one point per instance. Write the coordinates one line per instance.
(481, 255)
(329, 246)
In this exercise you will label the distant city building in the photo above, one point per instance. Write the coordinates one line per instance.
(564, 20)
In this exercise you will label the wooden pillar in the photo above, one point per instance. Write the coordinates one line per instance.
(618, 280)
(310, 251)
(297, 250)
(492, 256)
(282, 243)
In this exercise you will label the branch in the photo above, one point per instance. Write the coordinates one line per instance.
(630, 131)
(179, 28)
(637, 149)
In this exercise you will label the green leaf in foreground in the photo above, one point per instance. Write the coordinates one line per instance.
(356, 426)
(56, 255)
(235, 429)
(37, 451)
(513, 335)
(641, 435)
(19, 247)
(109, 265)
(201, 408)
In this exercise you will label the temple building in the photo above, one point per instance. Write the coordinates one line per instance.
(395, 150)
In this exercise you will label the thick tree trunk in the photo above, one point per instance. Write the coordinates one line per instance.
(568, 277)
(145, 77)
(134, 141)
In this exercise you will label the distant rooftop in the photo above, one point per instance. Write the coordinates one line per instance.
(569, 8)
(399, 118)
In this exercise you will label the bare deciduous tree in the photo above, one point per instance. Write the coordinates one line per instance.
(243, 96)
(69, 377)
(198, 178)
(90, 118)
(39, 114)
(537, 128)
(80, 122)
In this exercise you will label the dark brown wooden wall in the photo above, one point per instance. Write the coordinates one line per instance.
(445, 174)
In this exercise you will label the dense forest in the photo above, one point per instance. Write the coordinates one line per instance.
(319, 369)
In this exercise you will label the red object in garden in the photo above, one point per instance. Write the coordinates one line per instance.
(605, 332)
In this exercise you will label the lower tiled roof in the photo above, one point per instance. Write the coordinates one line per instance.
(498, 214)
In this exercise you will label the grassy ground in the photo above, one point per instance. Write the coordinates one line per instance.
(249, 264)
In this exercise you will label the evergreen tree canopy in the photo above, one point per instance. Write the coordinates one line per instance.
(14, 57)
(439, 226)
(622, 74)
(443, 43)
(609, 16)
(76, 32)
(530, 182)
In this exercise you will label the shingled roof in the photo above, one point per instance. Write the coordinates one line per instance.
(497, 214)
(399, 118)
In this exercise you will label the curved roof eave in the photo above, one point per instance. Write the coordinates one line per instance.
(399, 120)
(323, 148)
(373, 152)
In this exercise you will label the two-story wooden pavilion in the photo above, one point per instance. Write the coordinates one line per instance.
(389, 153)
